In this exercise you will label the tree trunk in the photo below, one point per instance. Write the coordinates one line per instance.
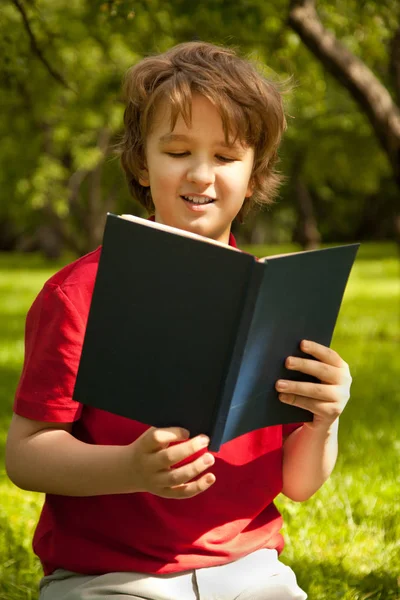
(395, 63)
(373, 98)
(306, 231)
(50, 234)
(257, 234)
(95, 220)
(8, 236)
(49, 241)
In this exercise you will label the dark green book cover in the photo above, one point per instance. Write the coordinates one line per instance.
(183, 331)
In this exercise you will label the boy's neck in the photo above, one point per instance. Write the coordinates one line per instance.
(231, 242)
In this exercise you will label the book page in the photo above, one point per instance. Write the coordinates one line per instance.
(266, 258)
(176, 231)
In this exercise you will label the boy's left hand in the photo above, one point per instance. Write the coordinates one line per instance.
(326, 400)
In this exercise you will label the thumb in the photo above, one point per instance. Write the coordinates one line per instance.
(155, 439)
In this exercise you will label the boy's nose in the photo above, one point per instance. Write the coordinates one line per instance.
(201, 172)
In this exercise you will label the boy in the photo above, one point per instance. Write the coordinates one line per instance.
(139, 512)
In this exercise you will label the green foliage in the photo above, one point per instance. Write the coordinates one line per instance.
(344, 542)
(63, 98)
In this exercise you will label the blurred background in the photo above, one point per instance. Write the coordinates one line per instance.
(61, 68)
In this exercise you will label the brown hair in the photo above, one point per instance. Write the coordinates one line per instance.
(250, 106)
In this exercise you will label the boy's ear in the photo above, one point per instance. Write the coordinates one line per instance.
(144, 177)
(250, 189)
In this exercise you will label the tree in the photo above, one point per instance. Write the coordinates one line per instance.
(371, 95)
(61, 66)
(59, 175)
(343, 167)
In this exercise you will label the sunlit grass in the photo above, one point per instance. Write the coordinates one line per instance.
(344, 543)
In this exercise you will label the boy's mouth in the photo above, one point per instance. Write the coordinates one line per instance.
(198, 199)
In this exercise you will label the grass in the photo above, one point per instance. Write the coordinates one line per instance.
(344, 543)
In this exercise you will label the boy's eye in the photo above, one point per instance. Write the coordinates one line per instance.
(226, 159)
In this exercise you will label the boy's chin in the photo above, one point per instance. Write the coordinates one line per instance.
(200, 224)
(209, 232)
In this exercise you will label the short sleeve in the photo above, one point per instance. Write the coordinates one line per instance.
(53, 342)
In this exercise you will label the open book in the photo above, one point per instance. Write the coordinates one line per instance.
(185, 331)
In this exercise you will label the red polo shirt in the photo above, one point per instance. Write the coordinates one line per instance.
(136, 532)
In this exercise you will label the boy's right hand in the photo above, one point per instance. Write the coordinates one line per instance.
(153, 461)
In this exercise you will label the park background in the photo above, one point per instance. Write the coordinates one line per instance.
(61, 66)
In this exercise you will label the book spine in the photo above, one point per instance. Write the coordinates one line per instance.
(242, 333)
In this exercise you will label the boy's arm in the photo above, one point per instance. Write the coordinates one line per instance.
(310, 452)
(309, 456)
(45, 457)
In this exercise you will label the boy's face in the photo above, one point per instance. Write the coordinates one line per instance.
(197, 182)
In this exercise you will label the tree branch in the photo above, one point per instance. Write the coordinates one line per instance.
(35, 47)
(395, 63)
(373, 98)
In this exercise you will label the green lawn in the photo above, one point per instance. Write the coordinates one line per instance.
(345, 541)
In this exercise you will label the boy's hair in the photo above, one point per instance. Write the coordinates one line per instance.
(250, 106)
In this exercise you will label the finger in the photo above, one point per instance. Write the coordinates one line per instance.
(328, 410)
(319, 391)
(322, 371)
(155, 439)
(175, 454)
(188, 490)
(184, 474)
(323, 353)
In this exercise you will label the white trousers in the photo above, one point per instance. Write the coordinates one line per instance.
(258, 576)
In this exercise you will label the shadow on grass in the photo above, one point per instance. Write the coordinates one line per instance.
(339, 582)
(32, 261)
